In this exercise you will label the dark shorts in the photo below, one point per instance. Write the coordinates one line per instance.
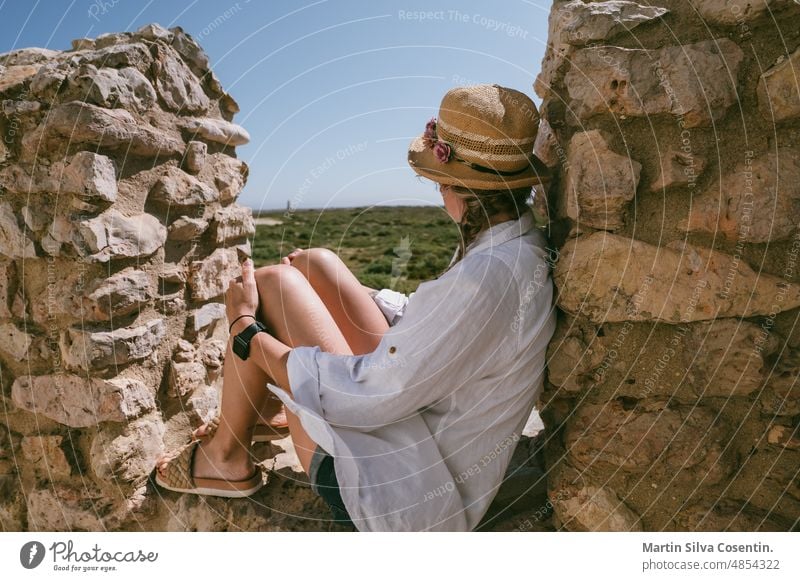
(322, 476)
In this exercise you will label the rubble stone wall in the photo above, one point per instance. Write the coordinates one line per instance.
(119, 231)
(672, 400)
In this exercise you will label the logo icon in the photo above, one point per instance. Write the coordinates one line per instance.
(31, 554)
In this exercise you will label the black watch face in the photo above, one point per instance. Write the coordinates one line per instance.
(241, 347)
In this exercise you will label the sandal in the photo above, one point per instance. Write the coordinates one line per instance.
(261, 432)
(178, 477)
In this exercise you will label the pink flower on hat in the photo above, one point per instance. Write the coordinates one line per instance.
(429, 137)
(441, 149)
(442, 152)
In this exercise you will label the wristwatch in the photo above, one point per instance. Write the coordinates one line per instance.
(241, 342)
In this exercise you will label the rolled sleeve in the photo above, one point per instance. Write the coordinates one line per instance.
(441, 346)
(392, 304)
(303, 372)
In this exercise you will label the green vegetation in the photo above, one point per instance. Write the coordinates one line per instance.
(385, 247)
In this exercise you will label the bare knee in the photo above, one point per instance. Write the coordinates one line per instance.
(316, 262)
(277, 277)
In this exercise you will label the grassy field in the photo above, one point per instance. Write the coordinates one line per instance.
(386, 247)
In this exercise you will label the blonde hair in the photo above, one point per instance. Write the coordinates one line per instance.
(480, 206)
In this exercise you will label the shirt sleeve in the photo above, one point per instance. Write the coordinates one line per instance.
(392, 304)
(454, 326)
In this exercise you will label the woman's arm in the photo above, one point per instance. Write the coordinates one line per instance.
(241, 304)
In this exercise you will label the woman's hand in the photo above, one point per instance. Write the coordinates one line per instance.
(291, 256)
(241, 298)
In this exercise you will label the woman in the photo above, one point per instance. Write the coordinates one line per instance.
(404, 411)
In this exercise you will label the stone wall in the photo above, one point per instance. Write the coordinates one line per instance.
(672, 400)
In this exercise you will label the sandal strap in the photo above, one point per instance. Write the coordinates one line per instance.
(178, 472)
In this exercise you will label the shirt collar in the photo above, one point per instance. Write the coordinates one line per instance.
(499, 233)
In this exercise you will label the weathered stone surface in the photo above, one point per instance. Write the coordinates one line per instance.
(210, 277)
(117, 55)
(729, 12)
(577, 24)
(126, 88)
(573, 354)
(178, 188)
(195, 156)
(81, 402)
(725, 357)
(229, 175)
(88, 125)
(205, 316)
(120, 294)
(598, 183)
(546, 146)
(677, 169)
(12, 78)
(212, 353)
(96, 350)
(216, 130)
(177, 86)
(696, 82)
(126, 453)
(27, 56)
(13, 243)
(581, 506)
(59, 232)
(708, 516)
(685, 444)
(186, 228)
(8, 273)
(114, 235)
(46, 455)
(86, 174)
(186, 377)
(233, 222)
(781, 395)
(778, 90)
(85, 250)
(758, 202)
(15, 343)
(599, 276)
(92, 175)
(60, 507)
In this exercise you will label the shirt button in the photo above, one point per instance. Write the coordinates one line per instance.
(392, 350)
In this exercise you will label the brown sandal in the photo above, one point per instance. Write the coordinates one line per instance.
(178, 477)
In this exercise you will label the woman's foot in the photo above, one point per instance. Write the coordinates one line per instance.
(271, 420)
(210, 462)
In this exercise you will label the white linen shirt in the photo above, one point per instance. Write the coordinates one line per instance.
(423, 428)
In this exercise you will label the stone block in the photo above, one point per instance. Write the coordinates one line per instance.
(759, 201)
(598, 183)
(210, 277)
(696, 82)
(78, 401)
(89, 350)
(597, 277)
(113, 235)
(178, 188)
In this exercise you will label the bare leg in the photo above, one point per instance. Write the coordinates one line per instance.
(358, 317)
(296, 315)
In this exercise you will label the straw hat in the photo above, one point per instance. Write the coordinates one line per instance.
(482, 139)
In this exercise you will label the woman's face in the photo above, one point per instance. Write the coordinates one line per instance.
(452, 203)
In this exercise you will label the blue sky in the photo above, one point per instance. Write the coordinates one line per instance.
(331, 91)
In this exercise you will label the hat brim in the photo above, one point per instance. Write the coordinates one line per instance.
(454, 173)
